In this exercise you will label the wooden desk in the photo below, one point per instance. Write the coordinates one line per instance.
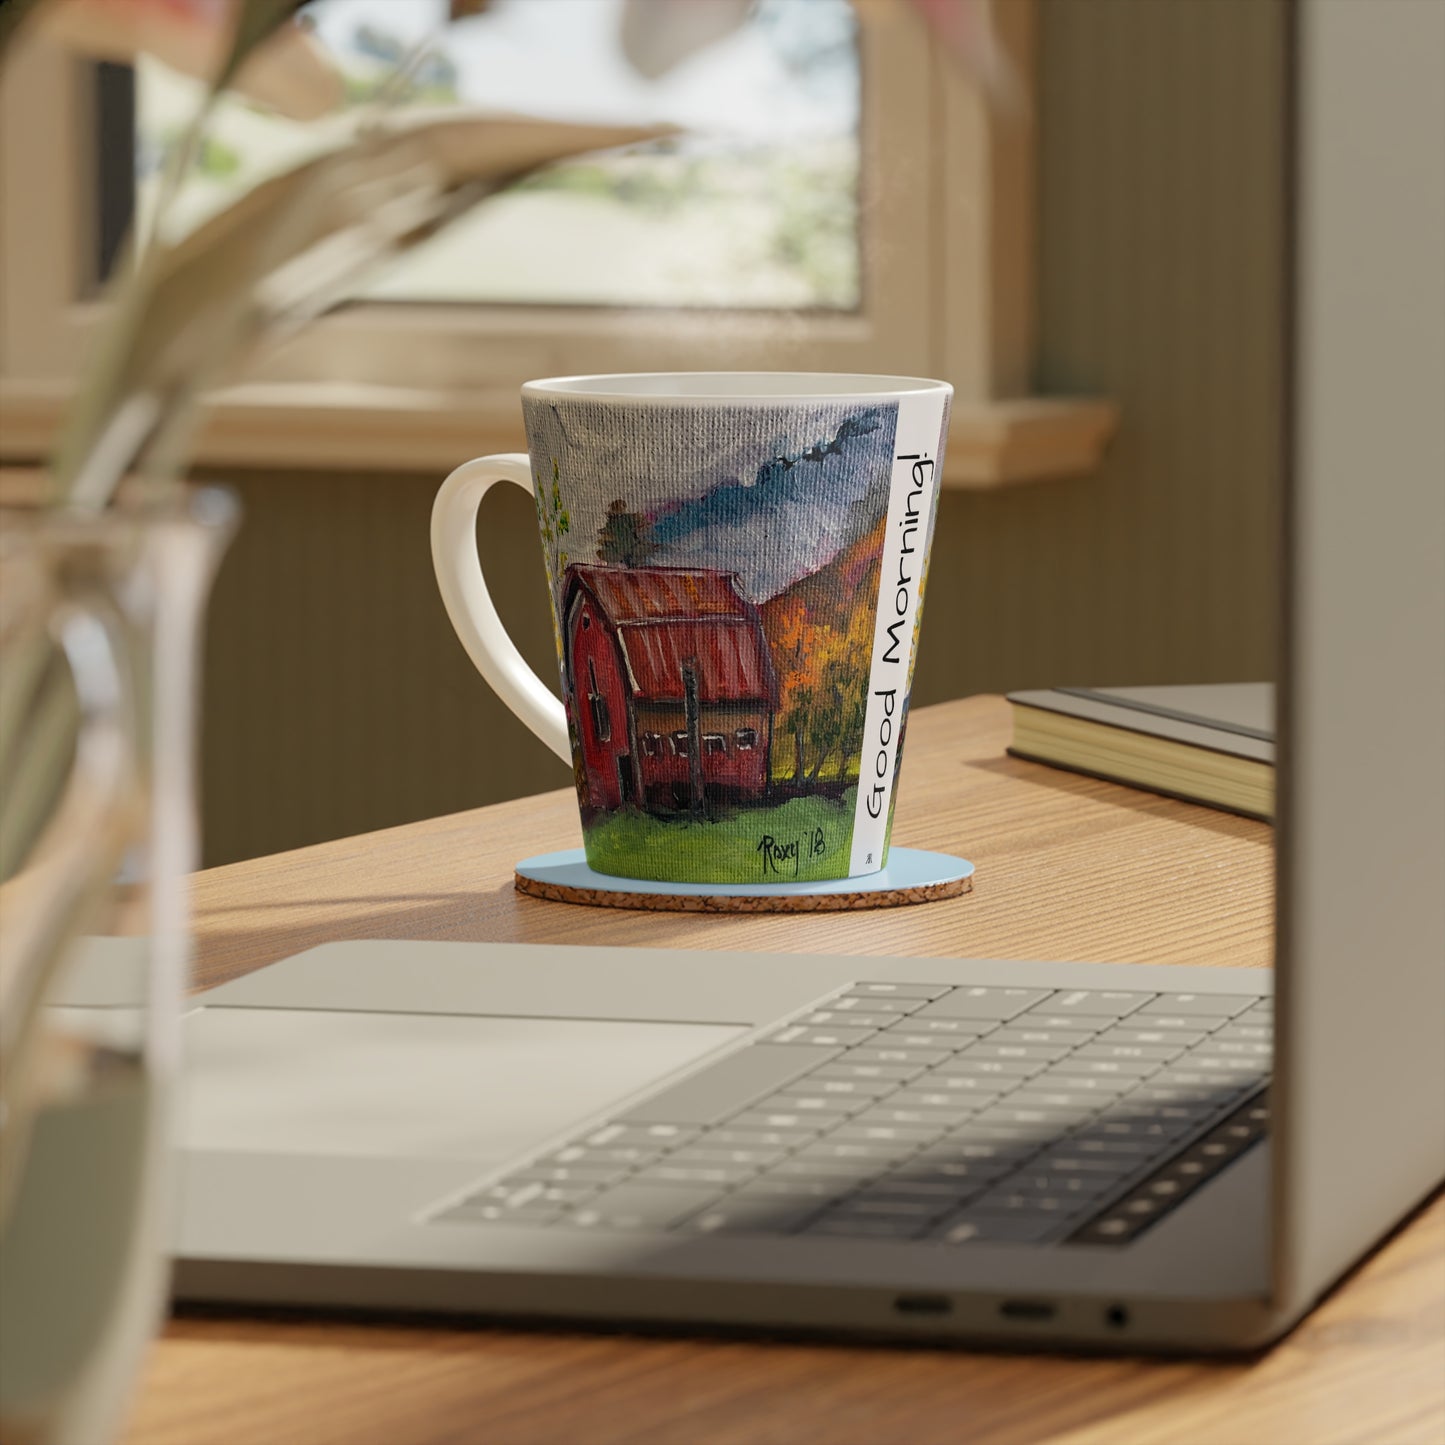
(1067, 868)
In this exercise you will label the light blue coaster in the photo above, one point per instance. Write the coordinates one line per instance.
(912, 876)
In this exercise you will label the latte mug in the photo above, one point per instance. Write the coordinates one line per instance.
(736, 564)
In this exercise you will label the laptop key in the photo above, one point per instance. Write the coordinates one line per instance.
(922, 1209)
(753, 1214)
(1124, 1068)
(865, 1069)
(1006, 1201)
(733, 1137)
(1101, 1004)
(1049, 1183)
(1105, 1086)
(720, 1176)
(627, 1155)
(1178, 1023)
(874, 1004)
(966, 1063)
(843, 1174)
(641, 1206)
(1100, 1166)
(1257, 1056)
(933, 1185)
(818, 1190)
(640, 1136)
(1169, 1038)
(992, 1048)
(814, 1104)
(833, 1017)
(519, 1189)
(1017, 1033)
(538, 1212)
(1070, 1100)
(837, 1037)
(983, 1003)
(1112, 1049)
(821, 1085)
(944, 1029)
(875, 1053)
(864, 1226)
(1214, 1005)
(595, 1174)
(793, 1120)
(1152, 1125)
(860, 1132)
(848, 1150)
(1088, 1141)
(901, 990)
(709, 1153)
(967, 1228)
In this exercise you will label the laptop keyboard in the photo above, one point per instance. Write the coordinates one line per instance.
(924, 1112)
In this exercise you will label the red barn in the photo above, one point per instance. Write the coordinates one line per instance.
(673, 689)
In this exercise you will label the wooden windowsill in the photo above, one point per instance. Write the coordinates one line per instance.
(372, 428)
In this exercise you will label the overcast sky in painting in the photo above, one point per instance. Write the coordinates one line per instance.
(710, 478)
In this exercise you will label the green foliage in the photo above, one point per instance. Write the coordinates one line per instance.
(816, 233)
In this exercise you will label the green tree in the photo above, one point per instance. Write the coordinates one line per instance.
(626, 538)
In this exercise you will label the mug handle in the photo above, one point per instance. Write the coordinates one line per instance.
(469, 604)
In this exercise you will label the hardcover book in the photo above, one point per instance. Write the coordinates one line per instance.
(1211, 744)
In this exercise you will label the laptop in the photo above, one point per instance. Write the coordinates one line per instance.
(1127, 1156)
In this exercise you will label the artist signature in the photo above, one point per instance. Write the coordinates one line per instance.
(783, 859)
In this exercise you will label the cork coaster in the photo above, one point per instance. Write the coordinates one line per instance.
(912, 876)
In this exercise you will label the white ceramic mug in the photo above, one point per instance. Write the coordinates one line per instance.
(736, 564)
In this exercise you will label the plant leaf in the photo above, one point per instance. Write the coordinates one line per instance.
(291, 248)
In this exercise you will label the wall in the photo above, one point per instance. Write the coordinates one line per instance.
(1159, 284)
(338, 699)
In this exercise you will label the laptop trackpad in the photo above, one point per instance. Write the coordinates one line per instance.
(419, 1086)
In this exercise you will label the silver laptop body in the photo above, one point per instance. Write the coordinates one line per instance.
(496, 1129)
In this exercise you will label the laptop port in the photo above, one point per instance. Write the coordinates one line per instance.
(1032, 1310)
(1117, 1316)
(923, 1304)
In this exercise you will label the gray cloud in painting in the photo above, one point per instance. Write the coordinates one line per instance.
(769, 492)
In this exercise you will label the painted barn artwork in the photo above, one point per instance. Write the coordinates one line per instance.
(715, 600)
(674, 693)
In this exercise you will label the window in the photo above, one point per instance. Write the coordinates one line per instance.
(601, 716)
(824, 261)
(756, 208)
(746, 739)
(713, 745)
(679, 744)
(652, 745)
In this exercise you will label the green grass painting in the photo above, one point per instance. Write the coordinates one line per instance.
(802, 840)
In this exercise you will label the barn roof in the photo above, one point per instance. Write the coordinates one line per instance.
(668, 617)
(639, 594)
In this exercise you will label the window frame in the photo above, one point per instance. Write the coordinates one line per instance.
(947, 283)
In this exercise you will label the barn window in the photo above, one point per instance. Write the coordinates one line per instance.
(712, 744)
(746, 739)
(679, 744)
(586, 622)
(601, 717)
(652, 744)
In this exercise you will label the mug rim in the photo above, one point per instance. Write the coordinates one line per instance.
(755, 388)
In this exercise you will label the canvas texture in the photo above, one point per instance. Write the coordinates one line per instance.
(714, 572)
